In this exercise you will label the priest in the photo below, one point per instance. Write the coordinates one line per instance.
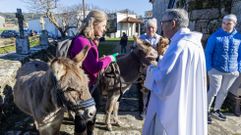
(178, 101)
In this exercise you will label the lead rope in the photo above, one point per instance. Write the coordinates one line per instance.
(119, 78)
(100, 75)
(116, 71)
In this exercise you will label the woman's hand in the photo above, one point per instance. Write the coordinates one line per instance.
(113, 57)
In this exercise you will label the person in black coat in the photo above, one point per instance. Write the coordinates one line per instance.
(123, 42)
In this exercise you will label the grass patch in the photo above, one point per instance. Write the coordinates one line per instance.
(106, 48)
(7, 49)
(12, 48)
(112, 39)
(109, 46)
(34, 43)
(118, 39)
(2, 29)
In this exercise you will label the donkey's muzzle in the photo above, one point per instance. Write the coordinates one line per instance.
(86, 108)
(90, 112)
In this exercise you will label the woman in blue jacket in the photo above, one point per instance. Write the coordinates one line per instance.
(223, 56)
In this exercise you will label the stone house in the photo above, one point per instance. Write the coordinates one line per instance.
(124, 21)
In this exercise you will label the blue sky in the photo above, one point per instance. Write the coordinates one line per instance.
(139, 6)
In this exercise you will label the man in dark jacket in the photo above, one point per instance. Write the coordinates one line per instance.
(123, 42)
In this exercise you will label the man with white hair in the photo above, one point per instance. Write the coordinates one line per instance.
(178, 101)
(223, 58)
(153, 38)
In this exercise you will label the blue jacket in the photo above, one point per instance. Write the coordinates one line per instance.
(223, 51)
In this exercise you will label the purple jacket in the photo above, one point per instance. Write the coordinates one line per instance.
(92, 65)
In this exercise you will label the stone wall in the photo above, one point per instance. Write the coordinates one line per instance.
(205, 15)
(158, 8)
(236, 9)
(9, 65)
(8, 70)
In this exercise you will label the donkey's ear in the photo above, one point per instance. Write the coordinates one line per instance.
(58, 69)
(81, 55)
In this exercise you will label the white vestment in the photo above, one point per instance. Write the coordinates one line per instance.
(178, 102)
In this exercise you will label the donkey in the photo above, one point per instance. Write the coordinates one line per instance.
(116, 80)
(162, 46)
(44, 92)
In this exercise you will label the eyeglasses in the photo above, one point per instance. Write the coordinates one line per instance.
(165, 21)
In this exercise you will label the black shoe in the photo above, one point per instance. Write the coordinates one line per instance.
(142, 116)
(209, 118)
(218, 115)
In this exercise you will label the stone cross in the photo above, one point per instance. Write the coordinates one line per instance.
(22, 42)
(20, 17)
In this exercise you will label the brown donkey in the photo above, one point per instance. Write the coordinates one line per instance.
(162, 46)
(117, 79)
(44, 92)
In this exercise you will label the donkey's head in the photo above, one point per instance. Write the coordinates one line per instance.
(145, 52)
(72, 85)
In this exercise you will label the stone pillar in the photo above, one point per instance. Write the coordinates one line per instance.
(22, 45)
(132, 25)
(121, 25)
(44, 38)
(44, 34)
(128, 26)
(42, 22)
(139, 29)
(22, 42)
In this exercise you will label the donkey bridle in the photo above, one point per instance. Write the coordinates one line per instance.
(81, 104)
(115, 73)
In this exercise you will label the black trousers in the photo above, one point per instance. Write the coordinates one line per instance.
(97, 97)
(140, 100)
(140, 96)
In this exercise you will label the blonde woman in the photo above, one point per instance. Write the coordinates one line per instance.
(93, 27)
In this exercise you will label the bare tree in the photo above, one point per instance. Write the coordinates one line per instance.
(63, 20)
(69, 17)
